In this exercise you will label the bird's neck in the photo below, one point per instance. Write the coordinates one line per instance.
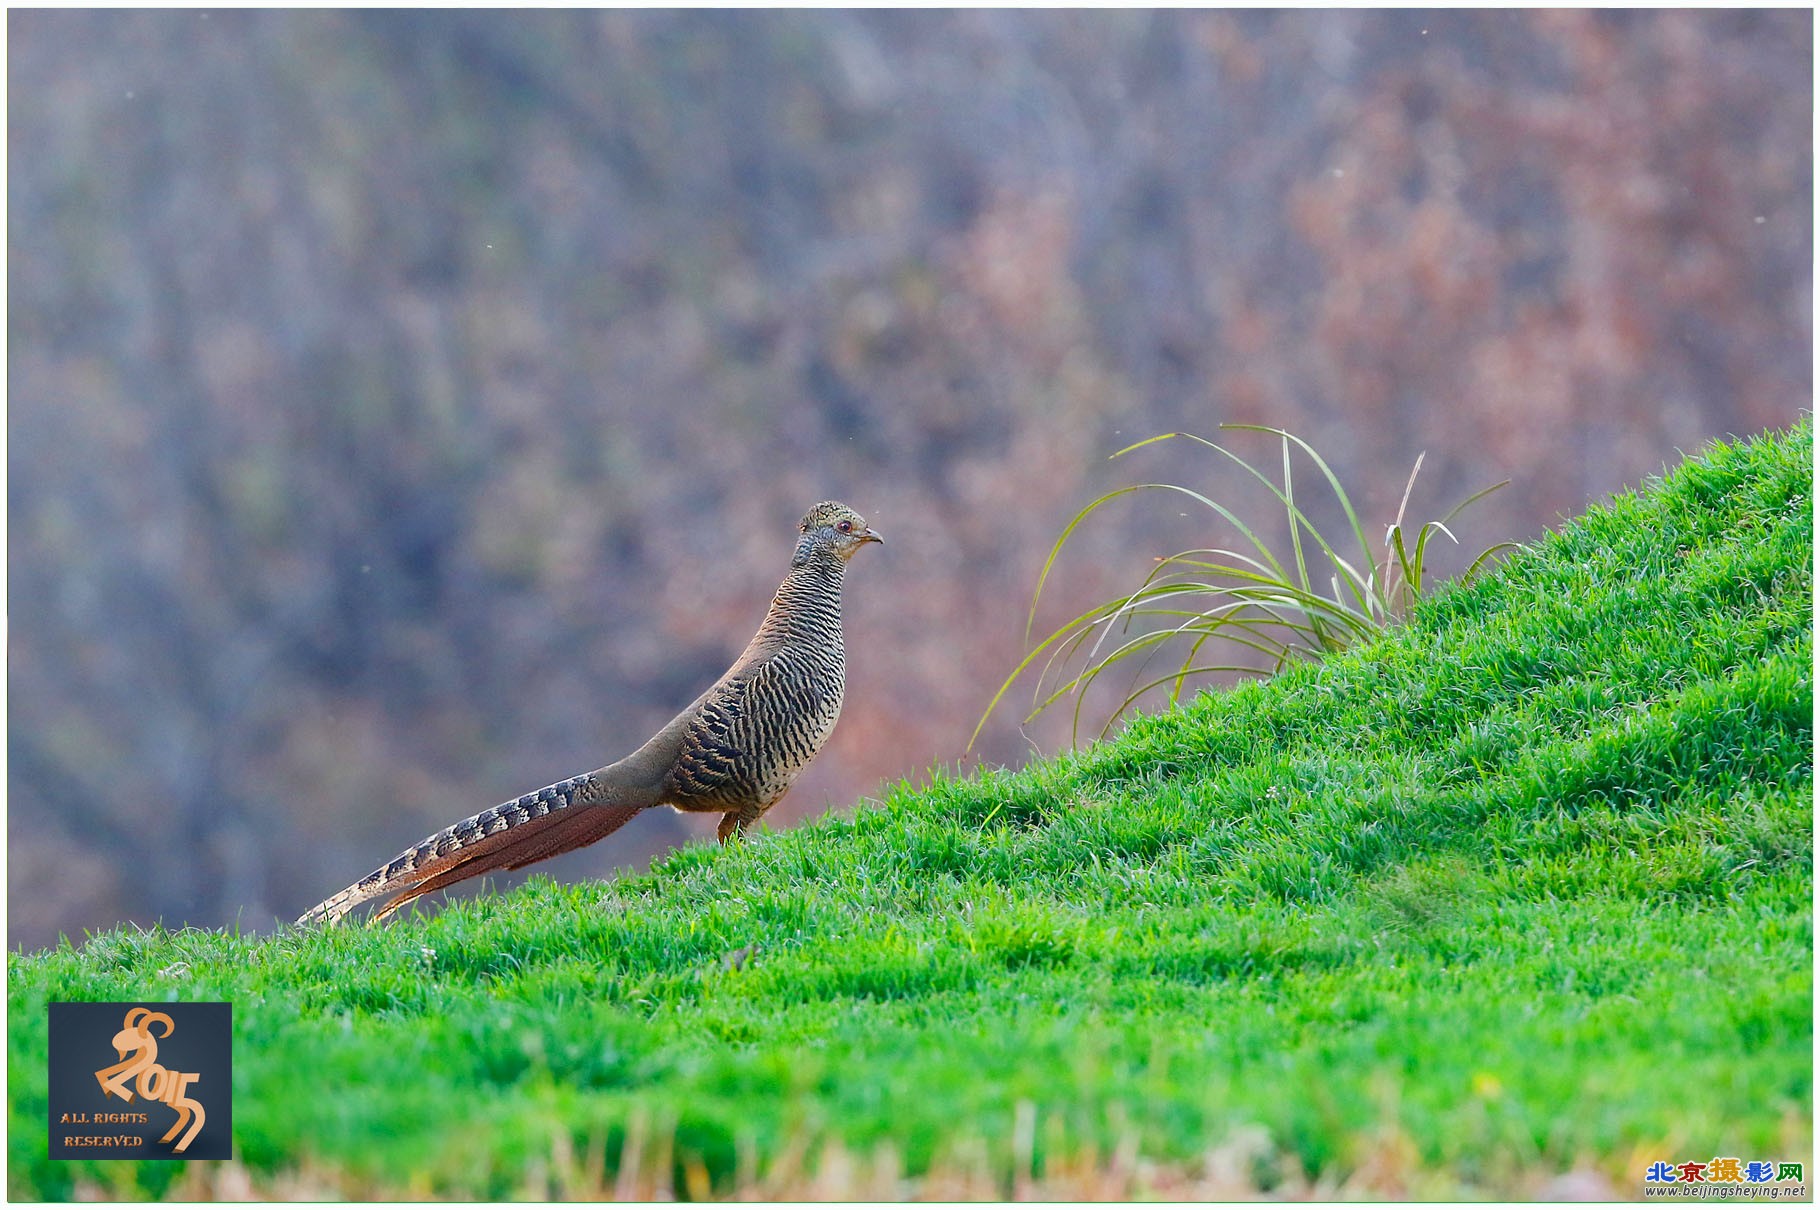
(807, 604)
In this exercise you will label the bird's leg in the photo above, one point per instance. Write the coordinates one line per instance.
(735, 823)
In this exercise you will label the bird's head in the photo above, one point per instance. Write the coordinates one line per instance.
(833, 526)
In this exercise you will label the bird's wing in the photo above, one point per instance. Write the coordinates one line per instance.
(712, 757)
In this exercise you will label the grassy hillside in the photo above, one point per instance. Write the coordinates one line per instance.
(1523, 887)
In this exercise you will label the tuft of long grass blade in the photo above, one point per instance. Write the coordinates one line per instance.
(1285, 496)
(1246, 638)
(1486, 555)
(1055, 550)
(1256, 601)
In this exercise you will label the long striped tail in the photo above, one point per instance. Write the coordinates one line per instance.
(553, 820)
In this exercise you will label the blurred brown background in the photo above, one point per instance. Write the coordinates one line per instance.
(411, 408)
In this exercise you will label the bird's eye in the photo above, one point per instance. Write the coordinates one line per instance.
(846, 527)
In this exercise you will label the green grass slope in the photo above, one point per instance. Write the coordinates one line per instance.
(1523, 886)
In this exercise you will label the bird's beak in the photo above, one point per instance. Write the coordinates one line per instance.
(872, 535)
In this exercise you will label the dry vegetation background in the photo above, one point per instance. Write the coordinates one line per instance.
(410, 408)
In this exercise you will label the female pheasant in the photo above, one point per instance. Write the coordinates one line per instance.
(734, 750)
